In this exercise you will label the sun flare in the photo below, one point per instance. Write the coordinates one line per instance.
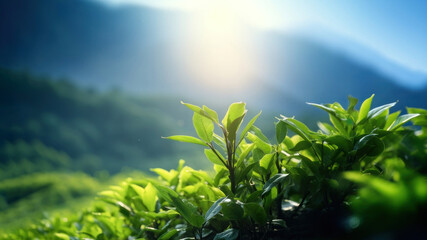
(220, 53)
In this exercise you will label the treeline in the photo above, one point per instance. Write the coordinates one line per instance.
(54, 125)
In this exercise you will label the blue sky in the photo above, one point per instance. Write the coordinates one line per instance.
(395, 29)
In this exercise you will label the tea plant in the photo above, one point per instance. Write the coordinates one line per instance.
(326, 183)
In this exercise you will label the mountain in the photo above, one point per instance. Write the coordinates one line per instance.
(54, 125)
(144, 50)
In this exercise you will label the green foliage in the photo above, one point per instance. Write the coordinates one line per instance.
(333, 182)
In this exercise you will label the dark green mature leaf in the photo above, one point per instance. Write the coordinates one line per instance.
(248, 126)
(301, 146)
(340, 141)
(274, 181)
(187, 139)
(370, 145)
(256, 212)
(281, 131)
(204, 127)
(364, 109)
(402, 120)
(214, 209)
(232, 210)
(379, 110)
(186, 210)
(229, 234)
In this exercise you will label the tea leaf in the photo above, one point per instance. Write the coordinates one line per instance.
(188, 139)
(204, 127)
(364, 109)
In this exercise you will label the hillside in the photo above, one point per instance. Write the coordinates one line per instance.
(146, 50)
(50, 125)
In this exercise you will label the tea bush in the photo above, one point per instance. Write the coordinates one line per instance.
(357, 176)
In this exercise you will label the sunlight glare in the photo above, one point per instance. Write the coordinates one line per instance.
(220, 54)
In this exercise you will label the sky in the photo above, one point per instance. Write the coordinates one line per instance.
(395, 29)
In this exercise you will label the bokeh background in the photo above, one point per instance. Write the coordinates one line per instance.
(88, 87)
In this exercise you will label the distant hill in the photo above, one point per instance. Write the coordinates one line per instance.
(133, 48)
(50, 125)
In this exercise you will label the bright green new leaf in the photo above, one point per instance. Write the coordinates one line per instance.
(150, 197)
(391, 119)
(236, 110)
(213, 157)
(211, 113)
(202, 112)
(248, 127)
(379, 110)
(265, 147)
(167, 235)
(364, 109)
(188, 139)
(204, 127)
(402, 120)
(267, 161)
(352, 101)
(297, 127)
(301, 146)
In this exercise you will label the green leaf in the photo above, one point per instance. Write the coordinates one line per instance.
(167, 235)
(62, 236)
(150, 197)
(185, 209)
(364, 109)
(231, 209)
(255, 196)
(235, 111)
(204, 127)
(211, 113)
(352, 103)
(200, 111)
(260, 144)
(248, 126)
(297, 127)
(188, 139)
(402, 120)
(256, 212)
(274, 181)
(370, 145)
(281, 131)
(214, 209)
(213, 157)
(267, 161)
(229, 234)
(341, 142)
(391, 119)
(379, 110)
(301, 146)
